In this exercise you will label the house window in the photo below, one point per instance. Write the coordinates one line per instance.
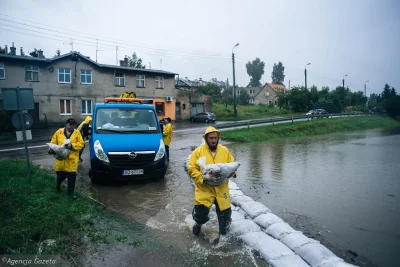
(140, 81)
(64, 75)
(119, 79)
(251, 91)
(270, 102)
(86, 107)
(266, 93)
(65, 107)
(160, 108)
(159, 82)
(251, 100)
(32, 73)
(86, 77)
(2, 71)
(237, 92)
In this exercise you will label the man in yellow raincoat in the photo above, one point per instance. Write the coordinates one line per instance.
(206, 195)
(167, 134)
(66, 168)
(83, 128)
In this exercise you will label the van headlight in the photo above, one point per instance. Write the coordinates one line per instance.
(161, 151)
(98, 150)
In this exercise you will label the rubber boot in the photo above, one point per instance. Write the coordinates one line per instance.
(58, 187)
(71, 186)
(196, 229)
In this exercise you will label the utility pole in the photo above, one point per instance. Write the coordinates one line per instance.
(365, 94)
(234, 83)
(289, 85)
(343, 91)
(226, 92)
(305, 79)
(97, 47)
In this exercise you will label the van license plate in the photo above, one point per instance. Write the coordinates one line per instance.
(132, 172)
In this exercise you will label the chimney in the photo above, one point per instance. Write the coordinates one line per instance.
(124, 63)
(6, 49)
(13, 50)
(22, 52)
(40, 53)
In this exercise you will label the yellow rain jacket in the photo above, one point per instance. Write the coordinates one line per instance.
(206, 194)
(69, 164)
(87, 120)
(167, 134)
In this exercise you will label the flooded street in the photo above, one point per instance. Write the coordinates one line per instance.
(341, 189)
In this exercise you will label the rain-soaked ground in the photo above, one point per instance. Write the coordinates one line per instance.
(341, 189)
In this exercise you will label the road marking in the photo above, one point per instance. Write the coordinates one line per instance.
(21, 148)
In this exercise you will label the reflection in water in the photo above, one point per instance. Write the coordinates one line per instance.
(255, 161)
(276, 153)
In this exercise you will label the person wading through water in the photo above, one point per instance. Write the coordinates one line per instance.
(206, 195)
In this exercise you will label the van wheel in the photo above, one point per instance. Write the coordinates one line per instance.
(206, 120)
(96, 179)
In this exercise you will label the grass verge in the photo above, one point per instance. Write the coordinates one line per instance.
(309, 128)
(33, 213)
(249, 112)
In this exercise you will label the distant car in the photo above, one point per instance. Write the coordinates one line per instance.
(204, 117)
(322, 113)
(311, 112)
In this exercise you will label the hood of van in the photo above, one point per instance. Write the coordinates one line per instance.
(129, 142)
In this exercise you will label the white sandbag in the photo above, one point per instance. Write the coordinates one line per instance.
(268, 247)
(265, 220)
(289, 261)
(233, 193)
(237, 200)
(254, 208)
(233, 185)
(316, 254)
(60, 151)
(237, 216)
(241, 211)
(279, 230)
(339, 264)
(217, 173)
(296, 240)
(244, 226)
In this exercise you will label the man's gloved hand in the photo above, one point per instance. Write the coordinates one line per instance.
(68, 146)
(51, 152)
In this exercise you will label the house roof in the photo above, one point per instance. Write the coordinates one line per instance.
(49, 60)
(276, 86)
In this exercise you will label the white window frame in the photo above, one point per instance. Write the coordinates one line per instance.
(139, 78)
(65, 107)
(252, 91)
(119, 79)
(159, 82)
(86, 106)
(86, 75)
(4, 71)
(30, 68)
(251, 100)
(64, 74)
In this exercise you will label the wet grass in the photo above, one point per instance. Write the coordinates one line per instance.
(249, 112)
(7, 136)
(33, 213)
(309, 128)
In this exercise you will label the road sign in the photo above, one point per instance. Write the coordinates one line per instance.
(18, 98)
(16, 120)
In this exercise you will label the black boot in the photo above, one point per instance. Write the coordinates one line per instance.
(196, 229)
(71, 186)
(58, 187)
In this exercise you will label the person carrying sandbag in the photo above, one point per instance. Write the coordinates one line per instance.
(66, 167)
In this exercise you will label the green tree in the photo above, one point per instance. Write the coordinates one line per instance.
(135, 62)
(278, 73)
(58, 53)
(255, 70)
(35, 53)
(244, 97)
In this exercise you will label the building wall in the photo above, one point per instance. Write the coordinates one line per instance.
(48, 91)
(266, 95)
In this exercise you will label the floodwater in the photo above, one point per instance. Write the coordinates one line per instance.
(341, 189)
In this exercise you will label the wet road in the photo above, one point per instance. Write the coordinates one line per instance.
(342, 189)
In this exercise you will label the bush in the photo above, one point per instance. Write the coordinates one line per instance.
(5, 120)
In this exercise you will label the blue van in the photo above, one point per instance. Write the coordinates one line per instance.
(126, 143)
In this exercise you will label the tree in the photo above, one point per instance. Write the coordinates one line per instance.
(386, 94)
(58, 53)
(35, 53)
(244, 97)
(135, 62)
(255, 70)
(278, 73)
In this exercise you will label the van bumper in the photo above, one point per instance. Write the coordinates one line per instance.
(107, 171)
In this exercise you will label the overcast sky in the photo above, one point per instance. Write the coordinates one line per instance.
(360, 38)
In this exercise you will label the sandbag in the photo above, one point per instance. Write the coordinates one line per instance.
(339, 264)
(254, 208)
(217, 173)
(296, 240)
(233, 185)
(289, 261)
(244, 226)
(265, 220)
(60, 151)
(316, 254)
(233, 193)
(268, 247)
(237, 200)
(279, 230)
(237, 216)
(241, 211)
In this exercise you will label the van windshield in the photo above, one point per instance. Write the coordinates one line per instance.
(114, 120)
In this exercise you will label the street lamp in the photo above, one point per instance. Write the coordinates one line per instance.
(234, 82)
(365, 94)
(305, 79)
